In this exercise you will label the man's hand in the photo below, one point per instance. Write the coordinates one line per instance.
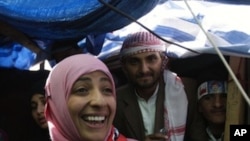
(156, 137)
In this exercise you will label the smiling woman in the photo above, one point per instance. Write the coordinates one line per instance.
(81, 101)
(36, 107)
(92, 105)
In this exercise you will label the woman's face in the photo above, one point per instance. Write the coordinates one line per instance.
(37, 110)
(92, 105)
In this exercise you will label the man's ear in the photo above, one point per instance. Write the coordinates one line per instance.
(123, 68)
(199, 108)
(164, 61)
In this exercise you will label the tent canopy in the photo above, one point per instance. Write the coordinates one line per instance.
(99, 30)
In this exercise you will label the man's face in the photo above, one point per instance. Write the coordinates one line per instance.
(213, 108)
(144, 69)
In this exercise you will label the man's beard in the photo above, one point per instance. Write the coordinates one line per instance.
(145, 85)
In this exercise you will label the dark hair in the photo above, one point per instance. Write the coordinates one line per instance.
(37, 133)
(38, 87)
(59, 46)
(212, 74)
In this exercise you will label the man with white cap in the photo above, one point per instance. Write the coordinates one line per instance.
(212, 99)
(154, 101)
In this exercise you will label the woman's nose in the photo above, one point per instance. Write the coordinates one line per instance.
(97, 98)
(40, 108)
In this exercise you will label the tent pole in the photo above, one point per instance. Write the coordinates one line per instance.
(235, 103)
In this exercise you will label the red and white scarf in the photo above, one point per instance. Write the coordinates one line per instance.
(175, 106)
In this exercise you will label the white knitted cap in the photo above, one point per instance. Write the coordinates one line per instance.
(212, 87)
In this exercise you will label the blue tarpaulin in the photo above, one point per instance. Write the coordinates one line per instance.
(225, 22)
(43, 20)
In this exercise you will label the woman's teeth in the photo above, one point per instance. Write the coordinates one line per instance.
(94, 118)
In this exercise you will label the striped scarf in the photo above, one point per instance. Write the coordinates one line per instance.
(175, 103)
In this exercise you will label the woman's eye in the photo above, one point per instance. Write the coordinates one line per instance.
(108, 91)
(43, 101)
(33, 106)
(81, 91)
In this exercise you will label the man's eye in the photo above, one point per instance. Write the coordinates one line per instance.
(152, 58)
(133, 61)
(208, 97)
(224, 96)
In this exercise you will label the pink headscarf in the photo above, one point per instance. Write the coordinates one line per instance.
(58, 87)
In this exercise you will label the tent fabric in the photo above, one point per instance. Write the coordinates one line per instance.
(46, 20)
(60, 19)
(225, 23)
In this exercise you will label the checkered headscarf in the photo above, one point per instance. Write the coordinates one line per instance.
(140, 42)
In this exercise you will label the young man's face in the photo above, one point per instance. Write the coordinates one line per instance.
(144, 69)
(213, 108)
